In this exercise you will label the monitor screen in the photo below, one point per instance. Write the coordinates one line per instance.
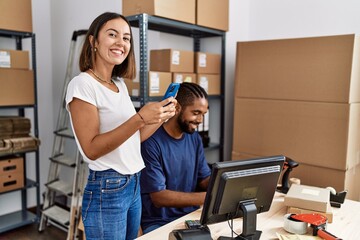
(235, 185)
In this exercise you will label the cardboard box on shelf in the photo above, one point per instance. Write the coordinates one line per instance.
(11, 165)
(316, 133)
(16, 15)
(180, 10)
(213, 14)
(323, 69)
(308, 197)
(17, 87)
(210, 82)
(183, 77)
(158, 83)
(207, 63)
(14, 59)
(11, 181)
(171, 60)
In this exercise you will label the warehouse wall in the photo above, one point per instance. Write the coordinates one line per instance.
(54, 22)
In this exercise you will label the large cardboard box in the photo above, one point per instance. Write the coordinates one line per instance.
(316, 133)
(16, 87)
(308, 197)
(322, 176)
(181, 10)
(171, 60)
(14, 59)
(16, 15)
(323, 69)
(213, 14)
(158, 83)
(207, 63)
(210, 82)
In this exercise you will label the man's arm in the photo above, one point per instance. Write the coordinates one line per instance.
(168, 198)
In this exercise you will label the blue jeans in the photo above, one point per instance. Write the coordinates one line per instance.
(111, 206)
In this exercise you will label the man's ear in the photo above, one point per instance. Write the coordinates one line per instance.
(177, 108)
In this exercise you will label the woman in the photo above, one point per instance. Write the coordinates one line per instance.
(108, 130)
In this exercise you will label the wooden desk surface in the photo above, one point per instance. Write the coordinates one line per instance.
(345, 223)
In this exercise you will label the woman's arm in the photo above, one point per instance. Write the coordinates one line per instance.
(85, 120)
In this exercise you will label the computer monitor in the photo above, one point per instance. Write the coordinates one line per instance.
(241, 188)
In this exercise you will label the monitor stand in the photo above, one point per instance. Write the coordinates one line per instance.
(249, 222)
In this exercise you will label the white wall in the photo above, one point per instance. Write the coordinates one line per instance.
(55, 21)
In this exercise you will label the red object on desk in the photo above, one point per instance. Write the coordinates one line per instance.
(318, 223)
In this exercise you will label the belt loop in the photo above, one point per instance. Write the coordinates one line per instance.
(92, 175)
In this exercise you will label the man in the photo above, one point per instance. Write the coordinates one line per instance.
(176, 175)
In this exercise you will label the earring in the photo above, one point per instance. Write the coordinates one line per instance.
(95, 49)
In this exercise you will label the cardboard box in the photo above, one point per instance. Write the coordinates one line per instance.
(328, 214)
(325, 177)
(308, 197)
(213, 14)
(183, 77)
(320, 134)
(11, 181)
(181, 10)
(210, 82)
(158, 83)
(323, 69)
(11, 166)
(171, 60)
(16, 15)
(14, 59)
(16, 87)
(207, 63)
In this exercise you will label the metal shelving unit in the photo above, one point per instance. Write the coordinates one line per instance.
(23, 216)
(147, 22)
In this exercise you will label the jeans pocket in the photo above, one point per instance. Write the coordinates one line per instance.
(86, 202)
(116, 184)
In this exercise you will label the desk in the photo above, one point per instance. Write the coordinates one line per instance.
(345, 222)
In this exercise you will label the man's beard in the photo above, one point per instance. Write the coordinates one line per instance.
(185, 126)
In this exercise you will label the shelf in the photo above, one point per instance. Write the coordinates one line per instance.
(16, 219)
(174, 27)
(23, 217)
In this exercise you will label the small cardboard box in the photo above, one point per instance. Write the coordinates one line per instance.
(16, 15)
(213, 14)
(11, 181)
(14, 59)
(180, 10)
(11, 166)
(207, 63)
(171, 60)
(183, 77)
(16, 87)
(157, 85)
(308, 197)
(210, 82)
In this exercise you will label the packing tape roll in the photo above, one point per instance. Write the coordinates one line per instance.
(294, 226)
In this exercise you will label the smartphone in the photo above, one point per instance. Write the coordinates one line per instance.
(172, 90)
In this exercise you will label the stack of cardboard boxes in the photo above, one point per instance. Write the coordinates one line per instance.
(16, 79)
(171, 65)
(301, 98)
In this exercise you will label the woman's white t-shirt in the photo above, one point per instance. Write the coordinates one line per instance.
(114, 109)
